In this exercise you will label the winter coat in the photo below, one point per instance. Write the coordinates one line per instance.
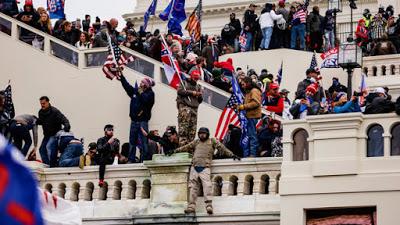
(52, 121)
(107, 151)
(141, 102)
(236, 24)
(273, 103)
(349, 106)
(267, 19)
(384, 48)
(250, 20)
(379, 105)
(252, 103)
(312, 110)
(185, 97)
(9, 7)
(314, 22)
(397, 106)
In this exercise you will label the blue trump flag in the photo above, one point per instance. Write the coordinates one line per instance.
(175, 14)
(150, 11)
(244, 139)
(56, 9)
(19, 199)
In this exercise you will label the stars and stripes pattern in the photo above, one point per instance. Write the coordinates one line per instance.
(193, 25)
(110, 67)
(313, 63)
(230, 115)
(243, 41)
(8, 102)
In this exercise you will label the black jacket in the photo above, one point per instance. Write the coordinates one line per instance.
(236, 24)
(9, 7)
(397, 106)
(141, 103)
(379, 105)
(106, 151)
(52, 120)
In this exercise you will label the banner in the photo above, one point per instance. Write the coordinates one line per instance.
(56, 9)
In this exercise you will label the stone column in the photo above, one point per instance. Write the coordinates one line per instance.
(124, 192)
(272, 186)
(169, 188)
(240, 187)
(81, 195)
(110, 192)
(225, 187)
(138, 194)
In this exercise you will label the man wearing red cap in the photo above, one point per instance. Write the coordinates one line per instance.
(307, 105)
(189, 98)
(273, 101)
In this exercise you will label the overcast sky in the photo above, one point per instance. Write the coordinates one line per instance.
(105, 9)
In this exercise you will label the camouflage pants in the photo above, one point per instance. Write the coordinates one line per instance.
(187, 121)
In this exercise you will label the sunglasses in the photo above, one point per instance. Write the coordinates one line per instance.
(109, 129)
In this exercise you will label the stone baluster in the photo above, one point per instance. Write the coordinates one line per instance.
(139, 188)
(240, 187)
(82, 191)
(125, 191)
(272, 186)
(96, 192)
(225, 187)
(68, 192)
(256, 185)
(110, 192)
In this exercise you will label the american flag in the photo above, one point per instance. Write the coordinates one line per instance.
(110, 68)
(8, 102)
(231, 116)
(363, 89)
(193, 25)
(280, 73)
(313, 63)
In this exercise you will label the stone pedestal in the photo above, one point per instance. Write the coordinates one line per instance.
(169, 187)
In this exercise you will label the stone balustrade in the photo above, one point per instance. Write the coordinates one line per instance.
(382, 65)
(160, 187)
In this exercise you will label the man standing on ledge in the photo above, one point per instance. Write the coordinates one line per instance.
(51, 120)
(252, 105)
(188, 101)
(203, 151)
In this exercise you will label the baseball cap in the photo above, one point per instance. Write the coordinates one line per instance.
(92, 146)
(253, 5)
(285, 90)
(380, 90)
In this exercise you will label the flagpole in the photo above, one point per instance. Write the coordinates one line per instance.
(173, 63)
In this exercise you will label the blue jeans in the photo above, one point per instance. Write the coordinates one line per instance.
(20, 134)
(329, 40)
(251, 149)
(48, 151)
(249, 41)
(298, 31)
(136, 135)
(70, 156)
(267, 33)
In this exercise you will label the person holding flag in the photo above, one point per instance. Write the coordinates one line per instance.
(56, 9)
(189, 98)
(252, 107)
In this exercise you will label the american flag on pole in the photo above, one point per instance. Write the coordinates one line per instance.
(313, 63)
(171, 66)
(8, 102)
(243, 41)
(116, 56)
(280, 74)
(193, 25)
(231, 116)
(363, 88)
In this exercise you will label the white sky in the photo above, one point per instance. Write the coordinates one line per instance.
(105, 9)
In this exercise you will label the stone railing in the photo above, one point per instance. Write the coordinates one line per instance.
(350, 143)
(160, 187)
(95, 58)
(382, 65)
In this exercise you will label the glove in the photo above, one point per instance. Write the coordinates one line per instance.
(235, 157)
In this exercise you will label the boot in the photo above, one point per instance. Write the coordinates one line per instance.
(209, 209)
(189, 210)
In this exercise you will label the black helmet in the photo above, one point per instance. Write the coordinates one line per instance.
(204, 130)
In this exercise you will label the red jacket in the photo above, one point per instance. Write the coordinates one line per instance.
(274, 103)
